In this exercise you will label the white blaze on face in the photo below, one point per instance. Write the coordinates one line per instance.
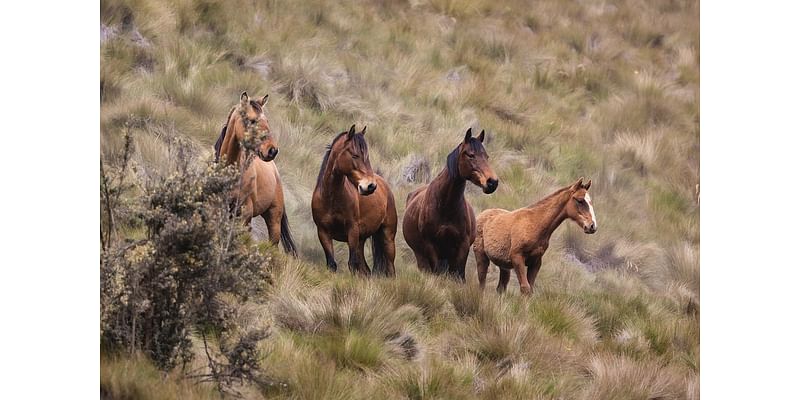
(591, 208)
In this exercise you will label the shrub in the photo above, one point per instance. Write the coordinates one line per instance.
(157, 292)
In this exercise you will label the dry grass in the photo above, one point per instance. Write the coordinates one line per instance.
(605, 90)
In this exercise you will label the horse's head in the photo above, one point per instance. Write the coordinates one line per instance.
(252, 128)
(470, 161)
(352, 160)
(579, 207)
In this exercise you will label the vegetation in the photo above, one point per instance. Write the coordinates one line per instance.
(605, 90)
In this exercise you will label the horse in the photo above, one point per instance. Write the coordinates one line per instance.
(518, 239)
(439, 223)
(351, 203)
(247, 133)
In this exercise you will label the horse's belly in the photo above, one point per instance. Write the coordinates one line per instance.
(497, 243)
(263, 193)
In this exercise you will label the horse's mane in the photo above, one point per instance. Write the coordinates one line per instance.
(452, 158)
(218, 145)
(361, 146)
(550, 197)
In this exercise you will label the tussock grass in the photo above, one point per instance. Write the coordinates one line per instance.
(137, 378)
(609, 91)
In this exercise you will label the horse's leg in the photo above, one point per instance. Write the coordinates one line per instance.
(533, 269)
(388, 233)
(458, 265)
(426, 257)
(327, 246)
(272, 217)
(247, 213)
(520, 268)
(505, 276)
(363, 259)
(482, 263)
(356, 246)
(422, 262)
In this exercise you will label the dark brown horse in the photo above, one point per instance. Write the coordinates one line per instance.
(439, 224)
(518, 239)
(246, 141)
(351, 203)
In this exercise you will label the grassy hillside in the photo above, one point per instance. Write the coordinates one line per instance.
(606, 90)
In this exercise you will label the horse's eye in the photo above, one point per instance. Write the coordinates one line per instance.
(581, 201)
(355, 156)
(471, 155)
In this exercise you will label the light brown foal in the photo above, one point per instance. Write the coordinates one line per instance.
(518, 239)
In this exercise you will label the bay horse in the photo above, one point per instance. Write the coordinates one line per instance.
(245, 134)
(439, 223)
(351, 203)
(518, 239)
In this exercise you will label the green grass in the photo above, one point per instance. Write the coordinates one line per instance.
(608, 91)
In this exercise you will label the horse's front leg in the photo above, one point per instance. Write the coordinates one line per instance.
(534, 264)
(247, 213)
(327, 246)
(356, 247)
(518, 262)
(459, 263)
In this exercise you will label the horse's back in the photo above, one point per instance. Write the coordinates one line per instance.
(488, 214)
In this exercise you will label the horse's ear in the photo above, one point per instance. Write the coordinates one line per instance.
(578, 183)
(245, 98)
(264, 100)
(468, 135)
(482, 135)
(587, 184)
(352, 131)
(364, 131)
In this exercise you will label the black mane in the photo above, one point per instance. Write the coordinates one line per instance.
(218, 144)
(360, 146)
(452, 158)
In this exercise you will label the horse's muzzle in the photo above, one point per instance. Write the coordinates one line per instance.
(590, 229)
(271, 154)
(491, 185)
(368, 190)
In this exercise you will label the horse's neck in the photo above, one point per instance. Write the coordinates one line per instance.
(231, 146)
(552, 212)
(333, 182)
(447, 192)
(234, 153)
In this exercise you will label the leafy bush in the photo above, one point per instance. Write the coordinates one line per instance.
(185, 277)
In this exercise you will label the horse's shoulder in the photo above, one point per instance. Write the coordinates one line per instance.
(414, 193)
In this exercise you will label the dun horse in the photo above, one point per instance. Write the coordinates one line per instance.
(261, 193)
(439, 224)
(518, 239)
(351, 203)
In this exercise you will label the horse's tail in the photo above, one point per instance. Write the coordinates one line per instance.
(380, 260)
(286, 236)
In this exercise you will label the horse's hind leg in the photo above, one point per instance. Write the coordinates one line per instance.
(272, 217)
(327, 246)
(384, 259)
(482, 263)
